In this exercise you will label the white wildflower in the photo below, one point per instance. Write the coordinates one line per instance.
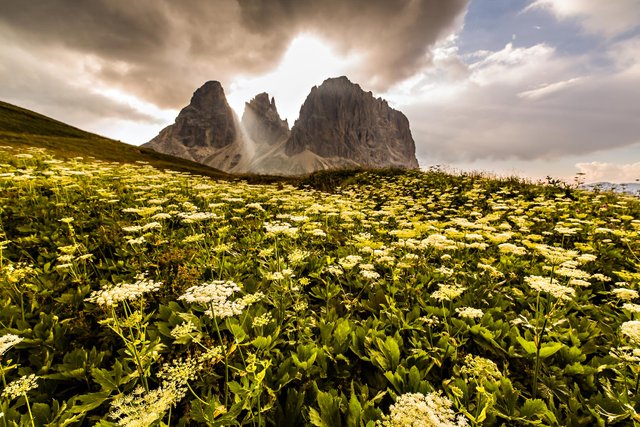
(416, 409)
(546, 284)
(110, 296)
(633, 308)
(469, 312)
(448, 292)
(20, 387)
(625, 293)
(262, 320)
(632, 330)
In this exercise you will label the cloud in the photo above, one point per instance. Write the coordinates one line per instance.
(522, 103)
(45, 86)
(161, 50)
(393, 36)
(609, 172)
(550, 88)
(597, 16)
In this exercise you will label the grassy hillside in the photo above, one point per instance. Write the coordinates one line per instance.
(131, 296)
(23, 128)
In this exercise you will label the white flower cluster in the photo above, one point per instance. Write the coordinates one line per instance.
(138, 228)
(510, 248)
(20, 387)
(213, 292)
(632, 330)
(626, 354)
(416, 409)
(216, 294)
(440, 242)
(193, 217)
(633, 308)
(110, 296)
(349, 261)
(336, 270)
(625, 294)
(274, 228)
(369, 274)
(469, 312)
(140, 409)
(448, 292)
(7, 341)
(550, 285)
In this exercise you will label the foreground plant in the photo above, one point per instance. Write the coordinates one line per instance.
(278, 304)
(417, 409)
(21, 387)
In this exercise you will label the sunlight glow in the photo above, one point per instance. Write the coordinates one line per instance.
(307, 62)
(132, 131)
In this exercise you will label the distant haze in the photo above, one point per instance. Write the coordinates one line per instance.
(529, 87)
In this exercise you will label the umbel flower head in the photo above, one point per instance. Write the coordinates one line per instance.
(448, 292)
(141, 409)
(216, 296)
(416, 409)
(20, 387)
(480, 368)
(110, 296)
(631, 330)
(550, 285)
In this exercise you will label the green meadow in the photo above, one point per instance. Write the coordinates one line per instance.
(134, 295)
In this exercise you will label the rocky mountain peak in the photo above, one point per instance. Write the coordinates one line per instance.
(339, 119)
(205, 131)
(340, 125)
(262, 121)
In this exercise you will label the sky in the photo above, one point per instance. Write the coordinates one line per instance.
(533, 88)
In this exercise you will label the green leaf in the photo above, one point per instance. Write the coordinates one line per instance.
(315, 418)
(355, 411)
(261, 343)
(528, 346)
(342, 331)
(533, 408)
(88, 402)
(237, 330)
(549, 349)
(329, 409)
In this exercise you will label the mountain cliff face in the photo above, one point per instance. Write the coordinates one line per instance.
(338, 119)
(262, 121)
(205, 131)
(339, 126)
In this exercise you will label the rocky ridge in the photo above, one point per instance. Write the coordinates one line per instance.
(339, 126)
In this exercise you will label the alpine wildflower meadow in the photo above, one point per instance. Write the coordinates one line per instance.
(134, 296)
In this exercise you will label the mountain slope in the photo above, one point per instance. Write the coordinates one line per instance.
(20, 127)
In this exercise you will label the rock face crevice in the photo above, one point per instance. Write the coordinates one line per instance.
(340, 125)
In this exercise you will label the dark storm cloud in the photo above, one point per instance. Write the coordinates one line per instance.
(161, 50)
(393, 36)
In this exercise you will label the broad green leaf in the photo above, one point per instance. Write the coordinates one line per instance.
(533, 408)
(528, 346)
(549, 349)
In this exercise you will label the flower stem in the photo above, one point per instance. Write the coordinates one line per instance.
(226, 365)
(29, 409)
